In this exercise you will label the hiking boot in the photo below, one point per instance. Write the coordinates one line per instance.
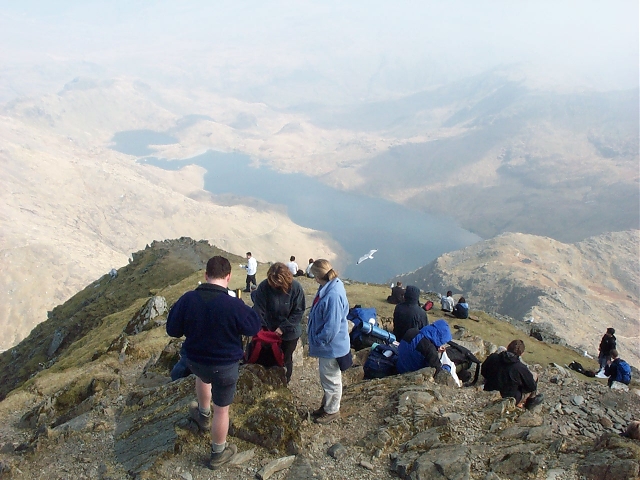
(220, 458)
(533, 401)
(203, 422)
(319, 412)
(326, 418)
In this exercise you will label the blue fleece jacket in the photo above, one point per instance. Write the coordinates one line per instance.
(328, 330)
(422, 350)
(213, 323)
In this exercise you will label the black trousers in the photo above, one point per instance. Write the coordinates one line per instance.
(288, 347)
(250, 279)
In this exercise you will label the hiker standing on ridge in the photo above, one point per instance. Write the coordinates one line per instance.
(213, 323)
(251, 267)
(607, 344)
(408, 314)
(328, 333)
(280, 302)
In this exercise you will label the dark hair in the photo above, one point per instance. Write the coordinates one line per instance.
(292, 258)
(279, 277)
(248, 253)
(449, 293)
(516, 347)
(613, 353)
(462, 300)
(218, 267)
(311, 260)
(611, 330)
(398, 284)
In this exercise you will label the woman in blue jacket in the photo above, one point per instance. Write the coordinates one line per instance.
(328, 333)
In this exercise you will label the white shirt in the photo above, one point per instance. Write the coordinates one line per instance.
(447, 304)
(293, 267)
(252, 266)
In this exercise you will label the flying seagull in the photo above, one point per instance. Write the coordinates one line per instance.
(366, 256)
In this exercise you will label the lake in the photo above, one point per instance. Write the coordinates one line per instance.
(406, 239)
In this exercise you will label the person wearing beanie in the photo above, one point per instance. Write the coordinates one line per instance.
(409, 314)
(607, 344)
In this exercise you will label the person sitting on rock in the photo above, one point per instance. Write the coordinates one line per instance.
(422, 348)
(308, 272)
(504, 372)
(607, 344)
(461, 309)
(408, 314)
(397, 294)
(617, 369)
(447, 302)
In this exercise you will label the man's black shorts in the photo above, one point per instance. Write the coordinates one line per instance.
(223, 379)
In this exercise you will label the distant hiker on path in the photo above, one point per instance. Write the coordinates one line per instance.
(422, 348)
(607, 344)
(213, 323)
(617, 369)
(251, 267)
(397, 294)
(328, 334)
(280, 302)
(408, 314)
(447, 302)
(503, 371)
(308, 271)
(461, 309)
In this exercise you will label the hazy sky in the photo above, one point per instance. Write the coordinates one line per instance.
(363, 49)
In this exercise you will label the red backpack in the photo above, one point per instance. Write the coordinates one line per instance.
(427, 306)
(265, 349)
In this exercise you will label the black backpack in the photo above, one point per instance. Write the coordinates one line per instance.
(381, 361)
(464, 360)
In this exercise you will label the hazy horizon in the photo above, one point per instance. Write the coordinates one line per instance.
(289, 52)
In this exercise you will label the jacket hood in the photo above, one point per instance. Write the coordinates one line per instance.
(438, 332)
(411, 294)
(508, 357)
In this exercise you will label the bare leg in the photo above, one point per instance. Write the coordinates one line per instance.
(203, 392)
(219, 424)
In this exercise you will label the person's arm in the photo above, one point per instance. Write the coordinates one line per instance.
(248, 321)
(175, 326)
(331, 313)
(528, 382)
(430, 353)
(260, 304)
(297, 304)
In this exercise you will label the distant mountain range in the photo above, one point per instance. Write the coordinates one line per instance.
(581, 289)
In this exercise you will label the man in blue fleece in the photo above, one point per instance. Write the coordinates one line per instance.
(213, 323)
(422, 348)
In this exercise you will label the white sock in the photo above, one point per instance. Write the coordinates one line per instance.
(218, 447)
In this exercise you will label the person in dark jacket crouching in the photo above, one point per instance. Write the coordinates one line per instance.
(280, 302)
(505, 372)
(213, 323)
(422, 348)
(408, 314)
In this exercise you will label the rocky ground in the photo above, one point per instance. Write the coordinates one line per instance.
(408, 426)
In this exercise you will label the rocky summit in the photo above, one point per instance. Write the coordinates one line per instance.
(96, 400)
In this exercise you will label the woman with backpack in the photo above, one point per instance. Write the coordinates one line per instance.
(280, 302)
(328, 333)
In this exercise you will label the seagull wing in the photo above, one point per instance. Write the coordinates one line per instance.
(366, 256)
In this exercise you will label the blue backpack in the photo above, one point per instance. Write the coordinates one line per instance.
(358, 339)
(623, 373)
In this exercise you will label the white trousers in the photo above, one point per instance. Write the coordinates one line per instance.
(331, 381)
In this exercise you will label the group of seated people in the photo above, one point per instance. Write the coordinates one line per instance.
(448, 304)
(296, 271)
(422, 345)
